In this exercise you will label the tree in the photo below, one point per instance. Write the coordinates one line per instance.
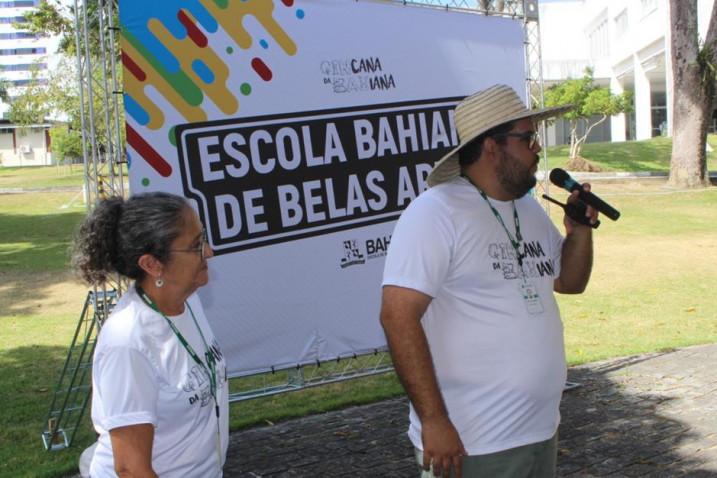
(4, 86)
(31, 106)
(693, 86)
(52, 17)
(61, 96)
(589, 100)
(66, 143)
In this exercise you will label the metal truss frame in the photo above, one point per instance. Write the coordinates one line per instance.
(74, 384)
(103, 150)
(99, 87)
(307, 376)
(104, 162)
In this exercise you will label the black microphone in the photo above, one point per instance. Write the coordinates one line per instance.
(575, 211)
(562, 179)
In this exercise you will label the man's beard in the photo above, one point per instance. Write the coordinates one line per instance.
(515, 179)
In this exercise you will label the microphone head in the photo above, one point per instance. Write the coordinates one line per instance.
(559, 177)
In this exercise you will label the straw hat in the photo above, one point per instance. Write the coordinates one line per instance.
(480, 112)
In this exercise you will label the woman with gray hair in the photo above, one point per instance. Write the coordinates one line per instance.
(160, 394)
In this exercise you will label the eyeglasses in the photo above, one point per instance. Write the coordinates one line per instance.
(201, 249)
(530, 137)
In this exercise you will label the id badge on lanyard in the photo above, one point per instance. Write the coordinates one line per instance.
(531, 297)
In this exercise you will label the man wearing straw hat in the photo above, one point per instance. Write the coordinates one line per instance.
(468, 306)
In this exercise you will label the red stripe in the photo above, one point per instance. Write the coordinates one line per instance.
(133, 67)
(197, 36)
(261, 69)
(148, 152)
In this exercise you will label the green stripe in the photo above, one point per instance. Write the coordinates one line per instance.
(179, 81)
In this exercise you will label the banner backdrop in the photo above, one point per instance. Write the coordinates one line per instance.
(299, 130)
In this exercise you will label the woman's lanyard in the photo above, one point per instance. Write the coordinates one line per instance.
(515, 242)
(210, 367)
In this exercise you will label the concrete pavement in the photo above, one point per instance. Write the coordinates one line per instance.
(652, 415)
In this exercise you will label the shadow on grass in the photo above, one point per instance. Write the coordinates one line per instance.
(605, 431)
(44, 240)
(28, 379)
(41, 293)
(34, 263)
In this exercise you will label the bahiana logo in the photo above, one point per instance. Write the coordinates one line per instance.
(373, 248)
(352, 254)
(377, 247)
(346, 75)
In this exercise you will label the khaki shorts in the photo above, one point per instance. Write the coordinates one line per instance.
(537, 460)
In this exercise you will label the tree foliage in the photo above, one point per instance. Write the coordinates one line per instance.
(31, 106)
(59, 99)
(52, 17)
(592, 105)
(4, 86)
(66, 142)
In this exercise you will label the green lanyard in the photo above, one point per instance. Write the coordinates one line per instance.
(515, 242)
(210, 368)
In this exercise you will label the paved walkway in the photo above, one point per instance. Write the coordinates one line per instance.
(651, 415)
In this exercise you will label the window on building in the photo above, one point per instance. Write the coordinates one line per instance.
(599, 45)
(16, 35)
(13, 20)
(20, 3)
(22, 51)
(39, 81)
(648, 6)
(621, 24)
(25, 67)
(658, 107)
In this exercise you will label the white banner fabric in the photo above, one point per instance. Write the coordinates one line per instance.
(300, 129)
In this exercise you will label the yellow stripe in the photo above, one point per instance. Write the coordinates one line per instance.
(135, 88)
(186, 51)
(231, 19)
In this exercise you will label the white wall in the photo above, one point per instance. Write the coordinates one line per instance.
(637, 57)
(30, 149)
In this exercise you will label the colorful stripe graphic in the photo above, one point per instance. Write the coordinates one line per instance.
(261, 69)
(167, 46)
(149, 154)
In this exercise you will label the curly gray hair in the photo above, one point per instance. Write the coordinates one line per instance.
(118, 232)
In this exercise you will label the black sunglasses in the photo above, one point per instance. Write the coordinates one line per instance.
(530, 137)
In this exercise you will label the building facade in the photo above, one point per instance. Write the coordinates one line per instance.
(24, 58)
(626, 42)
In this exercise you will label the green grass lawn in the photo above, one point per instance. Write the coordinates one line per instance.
(651, 290)
(634, 156)
(637, 156)
(42, 177)
(653, 278)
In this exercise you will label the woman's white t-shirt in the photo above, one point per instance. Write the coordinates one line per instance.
(143, 374)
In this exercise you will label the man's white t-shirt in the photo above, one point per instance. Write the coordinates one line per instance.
(499, 358)
(141, 373)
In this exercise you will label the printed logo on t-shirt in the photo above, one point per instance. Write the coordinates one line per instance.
(197, 382)
(535, 262)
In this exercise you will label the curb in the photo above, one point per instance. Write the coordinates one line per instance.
(541, 175)
(67, 189)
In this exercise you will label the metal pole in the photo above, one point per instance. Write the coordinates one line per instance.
(89, 202)
(116, 90)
